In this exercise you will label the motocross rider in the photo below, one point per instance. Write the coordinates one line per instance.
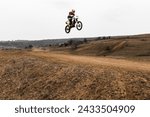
(71, 17)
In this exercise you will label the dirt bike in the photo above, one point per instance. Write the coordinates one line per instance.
(78, 25)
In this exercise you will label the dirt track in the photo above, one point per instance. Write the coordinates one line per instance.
(98, 61)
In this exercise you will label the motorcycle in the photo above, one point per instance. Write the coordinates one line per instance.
(78, 25)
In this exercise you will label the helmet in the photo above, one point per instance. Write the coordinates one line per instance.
(73, 10)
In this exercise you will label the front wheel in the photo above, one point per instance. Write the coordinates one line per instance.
(79, 25)
(67, 29)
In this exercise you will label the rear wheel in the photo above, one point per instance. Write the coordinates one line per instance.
(79, 25)
(67, 29)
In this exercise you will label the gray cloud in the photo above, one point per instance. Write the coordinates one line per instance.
(40, 19)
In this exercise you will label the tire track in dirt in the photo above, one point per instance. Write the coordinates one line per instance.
(97, 61)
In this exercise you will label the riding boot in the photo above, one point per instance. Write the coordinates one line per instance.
(73, 23)
(70, 22)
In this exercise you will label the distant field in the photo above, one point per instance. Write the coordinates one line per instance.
(100, 69)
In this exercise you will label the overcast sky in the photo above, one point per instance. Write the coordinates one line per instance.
(45, 19)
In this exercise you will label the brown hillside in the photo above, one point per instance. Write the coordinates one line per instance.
(45, 74)
(132, 47)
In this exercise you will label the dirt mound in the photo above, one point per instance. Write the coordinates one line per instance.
(47, 75)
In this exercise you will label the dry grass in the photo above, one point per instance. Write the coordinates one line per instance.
(138, 49)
